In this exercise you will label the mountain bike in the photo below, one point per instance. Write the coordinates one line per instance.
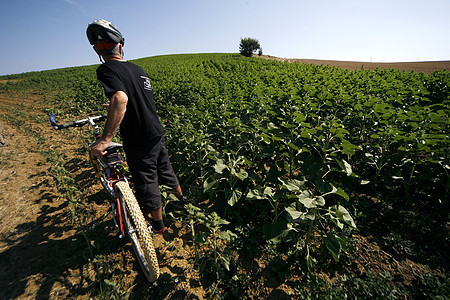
(126, 213)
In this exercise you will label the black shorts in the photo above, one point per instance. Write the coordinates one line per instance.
(149, 166)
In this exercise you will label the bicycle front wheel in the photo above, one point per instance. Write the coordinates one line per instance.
(138, 231)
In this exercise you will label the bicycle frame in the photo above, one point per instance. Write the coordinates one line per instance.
(105, 167)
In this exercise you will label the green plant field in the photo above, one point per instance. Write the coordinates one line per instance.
(288, 163)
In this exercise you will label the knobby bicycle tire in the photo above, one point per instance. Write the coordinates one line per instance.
(138, 232)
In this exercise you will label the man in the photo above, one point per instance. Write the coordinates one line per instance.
(132, 108)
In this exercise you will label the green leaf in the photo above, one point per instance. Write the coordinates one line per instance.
(283, 236)
(273, 174)
(109, 282)
(233, 196)
(322, 186)
(227, 235)
(343, 244)
(304, 198)
(319, 201)
(310, 261)
(276, 232)
(242, 174)
(208, 184)
(312, 166)
(333, 245)
(294, 215)
(343, 214)
(216, 220)
(268, 191)
(220, 166)
(225, 262)
(343, 194)
(255, 195)
(293, 185)
(348, 148)
(348, 167)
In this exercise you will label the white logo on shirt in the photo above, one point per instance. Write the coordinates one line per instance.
(147, 84)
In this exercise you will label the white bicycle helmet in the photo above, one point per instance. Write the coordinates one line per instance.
(103, 31)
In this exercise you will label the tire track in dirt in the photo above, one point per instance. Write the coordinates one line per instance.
(34, 221)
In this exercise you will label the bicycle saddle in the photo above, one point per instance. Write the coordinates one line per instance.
(114, 146)
(112, 157)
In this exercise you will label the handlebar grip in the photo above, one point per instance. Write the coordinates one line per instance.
(66, 125)
(59, 126)
(53, 122)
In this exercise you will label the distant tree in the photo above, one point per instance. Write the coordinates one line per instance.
(249, 46)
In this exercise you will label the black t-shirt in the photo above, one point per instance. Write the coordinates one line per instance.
(141, 121)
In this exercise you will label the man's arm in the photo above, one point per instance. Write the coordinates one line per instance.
(116, 111)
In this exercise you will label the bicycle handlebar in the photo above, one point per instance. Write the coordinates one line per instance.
(77, 123)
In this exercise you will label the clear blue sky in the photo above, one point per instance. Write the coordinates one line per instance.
(47, 34)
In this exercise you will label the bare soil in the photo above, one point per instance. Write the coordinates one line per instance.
(42, 256)
(425, 66)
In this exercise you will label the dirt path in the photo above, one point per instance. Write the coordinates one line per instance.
(34, 221)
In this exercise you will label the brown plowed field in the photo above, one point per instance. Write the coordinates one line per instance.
(425, 66)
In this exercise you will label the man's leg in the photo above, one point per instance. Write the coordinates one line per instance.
(142, 162)
(167, 177)
(177, 192)
(156, 214)
(158, 223)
